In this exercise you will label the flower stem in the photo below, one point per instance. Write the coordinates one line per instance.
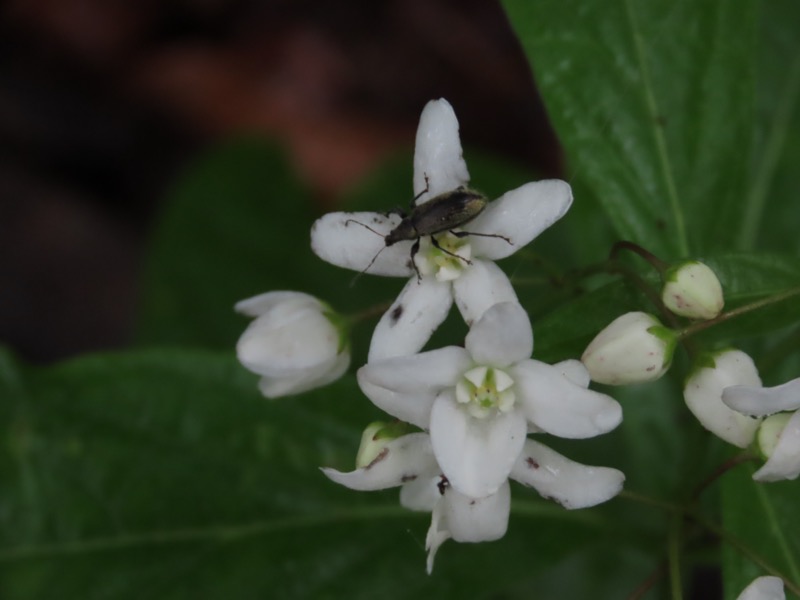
(721, 470)
(656, 262)
(674, 556)
(744, 309)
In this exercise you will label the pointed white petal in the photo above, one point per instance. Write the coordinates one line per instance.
(519, 215)
(297, 382)
(408, 407)
(403, 460)
(343, 239)
(481, 285)
(411, 320)
(764, 588)
(437, 154)
(258, 305)
(703, 396)
(558, 478)
(427, 372)
(575, 371)
(758, 401)
(476, 455)
(502, 336)
(785, 460)
(437, 535)
(421, 493)
(556, 405)
(477, 519)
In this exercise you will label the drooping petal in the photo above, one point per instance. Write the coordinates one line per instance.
(558, 478)
(501, 337)
(411, 320)
(438, 162)
(785, 460)
(345, 240)
(558, 406)
(403, 459)
(258, 305)
(426, 372)
(519, 216)
(408, 407)
(575, 371)
(764, 588)
(468, 519)
(481, 285)
(297, 382)
(421, 493)
(703, 396)
(759, 401)
(476, 455)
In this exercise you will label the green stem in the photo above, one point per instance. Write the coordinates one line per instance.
(674, 556)
(658, 264)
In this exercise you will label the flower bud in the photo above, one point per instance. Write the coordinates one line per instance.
(703, 395)
(634, 348)
(779, 442)
(691, 289)
(296, 343)
(375, 438)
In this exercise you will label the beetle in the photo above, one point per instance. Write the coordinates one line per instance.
(442, 213)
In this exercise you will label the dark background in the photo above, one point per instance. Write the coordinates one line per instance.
(103, 101)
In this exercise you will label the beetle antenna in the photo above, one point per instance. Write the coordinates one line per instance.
(346, 223)
(360, 273)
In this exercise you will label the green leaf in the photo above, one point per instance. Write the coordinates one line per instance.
(163, 474)
(652, 100)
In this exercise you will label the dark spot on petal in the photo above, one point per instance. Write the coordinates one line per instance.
(383, 454)
(531, 463)
(407, 478)
(443, 484)
(396, 313)
(472, 502)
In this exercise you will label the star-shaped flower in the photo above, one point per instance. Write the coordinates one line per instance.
(779, 435)
(409, 461)
(479, 402)
(461, 267)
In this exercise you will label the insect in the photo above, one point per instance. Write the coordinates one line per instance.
(442, 213)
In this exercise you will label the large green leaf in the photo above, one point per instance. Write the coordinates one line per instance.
(652, 100)
(165, 475)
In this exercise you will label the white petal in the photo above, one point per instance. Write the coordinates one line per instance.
(764, 588)
(426, 372)
(703, 396)
(481, 285)
(438, 154)
(304, 380)
(468, 519)
(758, 401)
(258, 305)
(476, 455)
(519, 215)
(558, 478)
(339, 239)
(421, 493)
(411, 408)
(404, 459)
(409, 323)
(556, 405)
(575, 371)
(501, 337)
(477, 519)
(785, 460)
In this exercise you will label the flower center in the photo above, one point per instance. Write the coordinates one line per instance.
(484, 391)
(445, 262)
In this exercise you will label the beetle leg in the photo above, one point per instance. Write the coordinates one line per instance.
(461, 234)
(425, 191)
(435, 242)
(414, 250)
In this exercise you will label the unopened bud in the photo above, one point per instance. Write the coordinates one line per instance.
(779, 442)
(692, 290)
(633, 348)
(375, 438)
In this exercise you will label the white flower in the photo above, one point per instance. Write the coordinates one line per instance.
(763, 588)
(633, 348)
(693, 290)
(703, 395)
(474, 281)
(296, 342)
(409, 461)
(779, 435)
(479, 402)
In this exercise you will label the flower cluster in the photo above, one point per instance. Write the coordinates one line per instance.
(475, 405)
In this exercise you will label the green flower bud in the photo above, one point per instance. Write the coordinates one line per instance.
(692, 290)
